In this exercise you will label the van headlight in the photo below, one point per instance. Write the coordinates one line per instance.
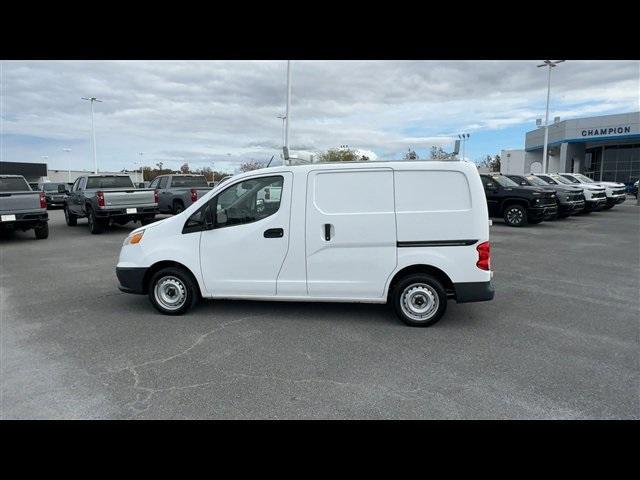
(133, 238)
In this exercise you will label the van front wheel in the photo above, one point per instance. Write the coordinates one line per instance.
(172, 291)
(419, 300)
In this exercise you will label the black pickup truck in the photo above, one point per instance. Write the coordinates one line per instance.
(517, 205)
(570, 199)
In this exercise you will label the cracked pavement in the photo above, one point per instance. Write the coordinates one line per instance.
(560, 340)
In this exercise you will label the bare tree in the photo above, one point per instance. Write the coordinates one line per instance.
(251, 165)
(341, 155)
(411, 155)
(437, 153)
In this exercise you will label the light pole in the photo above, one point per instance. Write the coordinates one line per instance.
(141, 172)
(287, 116)
(283, 117)
(93, 133)
(464, 137)
(550, 65)
(67, 150)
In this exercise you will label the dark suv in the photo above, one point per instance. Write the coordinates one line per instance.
(570, 199)
(517, 205)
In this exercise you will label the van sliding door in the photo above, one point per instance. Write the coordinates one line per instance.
(350, 233)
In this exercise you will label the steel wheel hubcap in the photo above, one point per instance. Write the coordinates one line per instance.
(170, 292)
(419, 302)
(514, 215)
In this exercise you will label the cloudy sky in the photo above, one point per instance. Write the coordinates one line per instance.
(225, 112)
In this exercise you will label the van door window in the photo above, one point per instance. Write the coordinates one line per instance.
(154, 184)
(248, 201)
(163, 182)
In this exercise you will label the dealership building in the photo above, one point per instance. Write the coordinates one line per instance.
(605, 148)
(39, 173)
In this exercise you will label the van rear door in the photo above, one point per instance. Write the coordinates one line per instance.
(350, 232)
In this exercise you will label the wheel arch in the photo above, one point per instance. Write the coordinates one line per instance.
(435, 272)
(513, 201)
(156, 267)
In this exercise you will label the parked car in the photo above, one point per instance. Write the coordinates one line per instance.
(594, 196)
(515, 204)
(21, 208)
(614, 191)
(105, 199)
(177, 192)
(420, 237)
(54, 193)
(570, 199)
(634, 191)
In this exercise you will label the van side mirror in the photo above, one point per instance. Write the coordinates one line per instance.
(523, 183)
(62, 189)
(492, 186)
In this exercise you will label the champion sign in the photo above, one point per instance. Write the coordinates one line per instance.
(592, 132)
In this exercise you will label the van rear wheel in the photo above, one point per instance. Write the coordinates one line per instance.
(172, 291)
(419, 300)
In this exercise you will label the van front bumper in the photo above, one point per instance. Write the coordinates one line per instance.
(474, 292)
(131, 279)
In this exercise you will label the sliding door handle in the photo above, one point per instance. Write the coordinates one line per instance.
(327, 231)
(274, 233)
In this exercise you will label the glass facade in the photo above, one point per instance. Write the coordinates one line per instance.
(620, 163)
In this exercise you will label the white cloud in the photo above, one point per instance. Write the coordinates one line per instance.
(225, 112)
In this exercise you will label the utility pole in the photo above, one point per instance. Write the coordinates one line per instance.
(93, 133)
(550, 65)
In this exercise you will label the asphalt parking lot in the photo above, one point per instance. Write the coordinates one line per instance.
(560, 340)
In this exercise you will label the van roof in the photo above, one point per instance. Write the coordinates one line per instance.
(394, 165)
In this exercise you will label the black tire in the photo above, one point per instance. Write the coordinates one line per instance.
(425, 286)
(178, 280)
(515, 215)
(96, 226)
(42, 231)
(69, 217)
(178, 207)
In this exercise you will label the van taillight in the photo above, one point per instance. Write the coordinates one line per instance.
(194, 195)
(100, 196)
(43, 200)
(484, 256)
(156, 197)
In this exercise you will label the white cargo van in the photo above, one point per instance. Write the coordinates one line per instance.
(410, 233)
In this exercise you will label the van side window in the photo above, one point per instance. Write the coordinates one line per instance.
(248, 201)
(154, 184)
(163, 182)
(75, 185)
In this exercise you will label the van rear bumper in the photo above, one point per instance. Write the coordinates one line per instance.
(473, 292)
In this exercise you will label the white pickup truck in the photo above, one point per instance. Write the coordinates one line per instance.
(21, 208)
(105, 199)
(615, 192)
(595, 197)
